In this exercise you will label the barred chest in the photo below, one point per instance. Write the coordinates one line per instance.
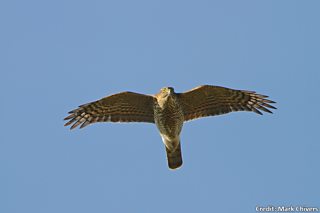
(168, 116)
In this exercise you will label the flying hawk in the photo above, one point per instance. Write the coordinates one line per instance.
(169, 110)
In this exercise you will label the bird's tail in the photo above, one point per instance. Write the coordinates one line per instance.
(174, 157)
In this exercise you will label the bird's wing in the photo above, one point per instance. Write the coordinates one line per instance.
(121, 107)
(214, 100)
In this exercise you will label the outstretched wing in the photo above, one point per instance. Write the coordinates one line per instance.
(214, 100)
(121, 107)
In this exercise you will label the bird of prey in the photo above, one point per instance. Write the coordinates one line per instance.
(169, 110)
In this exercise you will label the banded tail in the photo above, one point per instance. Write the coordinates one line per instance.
(174, 157)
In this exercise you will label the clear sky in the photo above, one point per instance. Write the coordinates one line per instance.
(56, 55)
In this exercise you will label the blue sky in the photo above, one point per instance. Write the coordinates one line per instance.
(56, 55)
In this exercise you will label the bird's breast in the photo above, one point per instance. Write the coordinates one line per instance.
(169, 119)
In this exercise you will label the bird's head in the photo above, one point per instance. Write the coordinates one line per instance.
(166, 91)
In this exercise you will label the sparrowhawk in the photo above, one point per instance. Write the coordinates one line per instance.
(169, 110)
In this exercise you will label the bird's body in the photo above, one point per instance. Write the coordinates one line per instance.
(168, 117)
(168, 110)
